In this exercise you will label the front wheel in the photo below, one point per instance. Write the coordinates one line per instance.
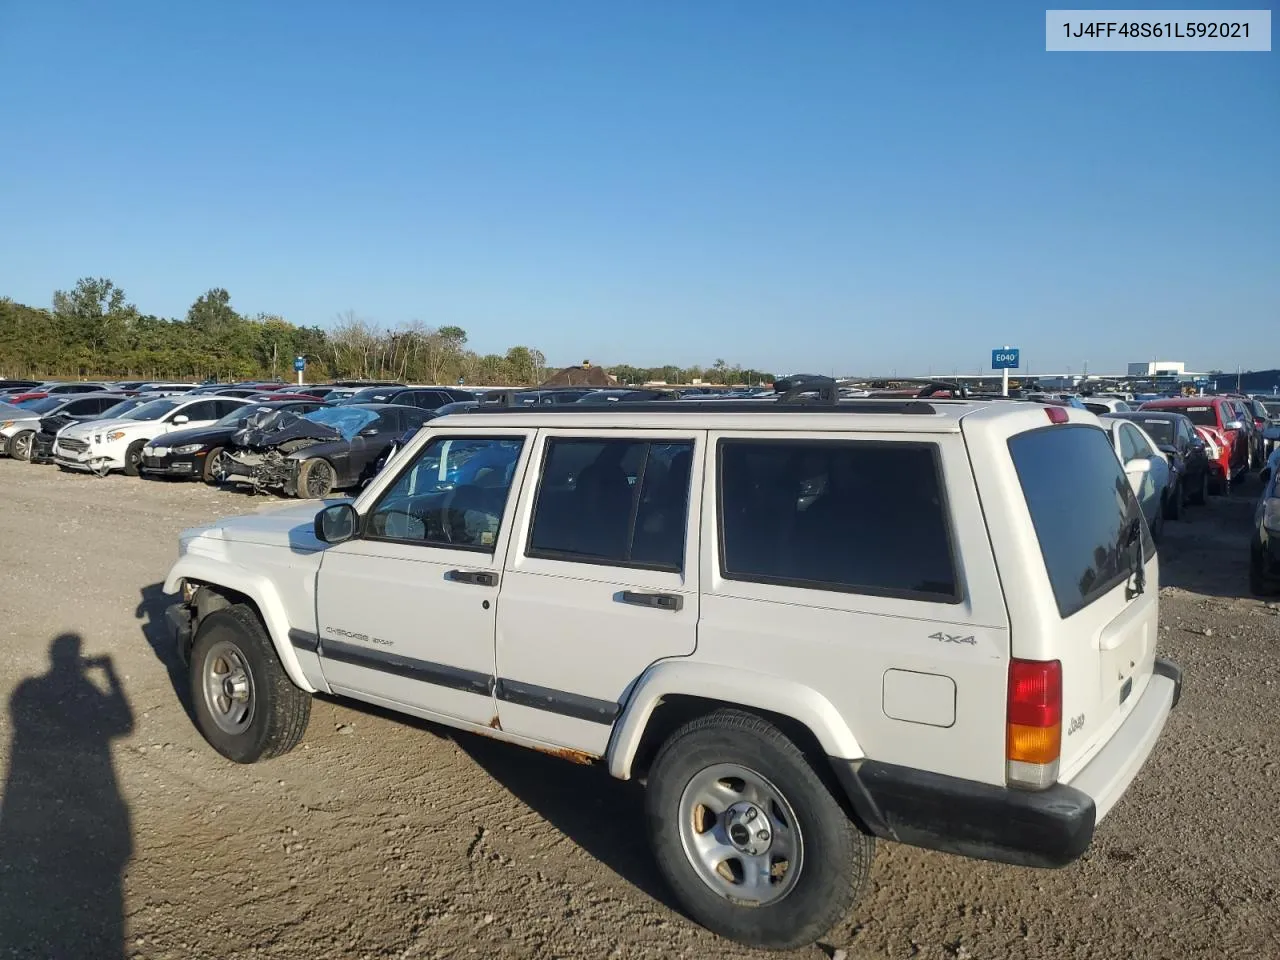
(21, 444)
(245, 704)
(213, 469)
(133, 458)
(316, 479)
(752, 840)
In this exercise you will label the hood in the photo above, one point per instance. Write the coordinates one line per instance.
(293, 428)
(206, 435)
(289, 525)
(89, 427)
(19, 415)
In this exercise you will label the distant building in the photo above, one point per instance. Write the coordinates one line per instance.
(1255, 381)
(1157, 368)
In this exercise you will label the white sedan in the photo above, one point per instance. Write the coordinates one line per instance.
(101, 446)
(1148, 472)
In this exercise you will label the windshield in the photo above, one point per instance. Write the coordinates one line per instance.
(346, 420)
(43, 405)
(121, 408)
(372, 394)
(1161, 430)
(241, 414)
(153, 410)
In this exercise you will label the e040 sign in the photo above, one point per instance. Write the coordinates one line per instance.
(1006, 359)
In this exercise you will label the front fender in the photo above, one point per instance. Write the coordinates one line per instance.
(730, 685)
(261, 591)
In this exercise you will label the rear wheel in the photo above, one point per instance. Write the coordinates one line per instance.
(245, 704)
(752, 840)
(20, 445)
(212, 465)
(1201, 492)
(1260, 585)
(133, 458)
(316, 479)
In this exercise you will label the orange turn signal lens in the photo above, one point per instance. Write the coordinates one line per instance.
(1034, 744)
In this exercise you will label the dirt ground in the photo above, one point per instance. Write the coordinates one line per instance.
(385, 838)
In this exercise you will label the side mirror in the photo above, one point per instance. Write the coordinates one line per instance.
(369, 432)
(181, 418)
(1235, 425)
(1138, 465)
(337, 523)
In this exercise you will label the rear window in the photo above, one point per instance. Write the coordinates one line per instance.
(854, 516)
(1082, 508)
(1161, 430)
(1201, 415)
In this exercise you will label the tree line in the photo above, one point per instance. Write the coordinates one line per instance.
(92, 330)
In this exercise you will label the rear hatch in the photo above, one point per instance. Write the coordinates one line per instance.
(1069, 536)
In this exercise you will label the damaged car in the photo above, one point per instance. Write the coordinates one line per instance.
(312, 455)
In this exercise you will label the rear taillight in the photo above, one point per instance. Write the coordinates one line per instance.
(1056, 414)
(1034, 725)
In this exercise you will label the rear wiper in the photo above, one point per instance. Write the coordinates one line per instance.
(1132, 538)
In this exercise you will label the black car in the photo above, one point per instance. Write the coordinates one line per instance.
(197, 453)
(1176, 437)
(57, 412)
(335, 448)
(424, 398)
(1264, 546)
(626, 396)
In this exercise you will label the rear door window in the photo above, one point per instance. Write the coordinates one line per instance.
(1082, 508)
(854, 516)
(1203, 415)
(622, 502)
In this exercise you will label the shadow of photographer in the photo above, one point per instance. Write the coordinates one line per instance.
(65, 833)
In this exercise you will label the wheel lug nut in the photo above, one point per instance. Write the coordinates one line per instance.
(763, 835)
(751, 814)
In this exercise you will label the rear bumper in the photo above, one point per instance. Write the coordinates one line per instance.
(1044, 828)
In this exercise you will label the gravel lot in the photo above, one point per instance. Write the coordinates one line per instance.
(123, 834)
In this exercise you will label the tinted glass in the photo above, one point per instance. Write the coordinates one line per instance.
(1082, 508)
(201, 410)
(121, 408)
(1203, 415)
(853, 516)
(1161, 431)
(453, 495)
(43, 405)
(618, 501)
(348, 421)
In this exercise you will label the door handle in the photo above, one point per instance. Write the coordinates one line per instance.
(659, 601)
(481, 578)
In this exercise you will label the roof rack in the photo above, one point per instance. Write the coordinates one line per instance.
(793, 388)
(905, 406)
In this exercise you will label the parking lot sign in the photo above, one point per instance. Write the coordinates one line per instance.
(299, 363)
(1005, 358)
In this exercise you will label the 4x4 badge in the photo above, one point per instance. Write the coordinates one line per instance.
(953, 638)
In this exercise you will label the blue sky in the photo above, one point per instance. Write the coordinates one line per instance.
(821, 185)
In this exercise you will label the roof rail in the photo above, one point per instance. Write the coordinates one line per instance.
(792, 389)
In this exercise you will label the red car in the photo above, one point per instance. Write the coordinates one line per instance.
(1220, 417)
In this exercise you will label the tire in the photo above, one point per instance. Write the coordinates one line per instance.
(1173, 503)
(268, 715)
(834, 856)
(133, 458)
(1157, 528)
(20, 444)
(1201, 493)
(316, 478)
(210, 474)
(1259, 584)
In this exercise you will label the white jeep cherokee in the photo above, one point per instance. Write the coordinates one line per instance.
(806, 625)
